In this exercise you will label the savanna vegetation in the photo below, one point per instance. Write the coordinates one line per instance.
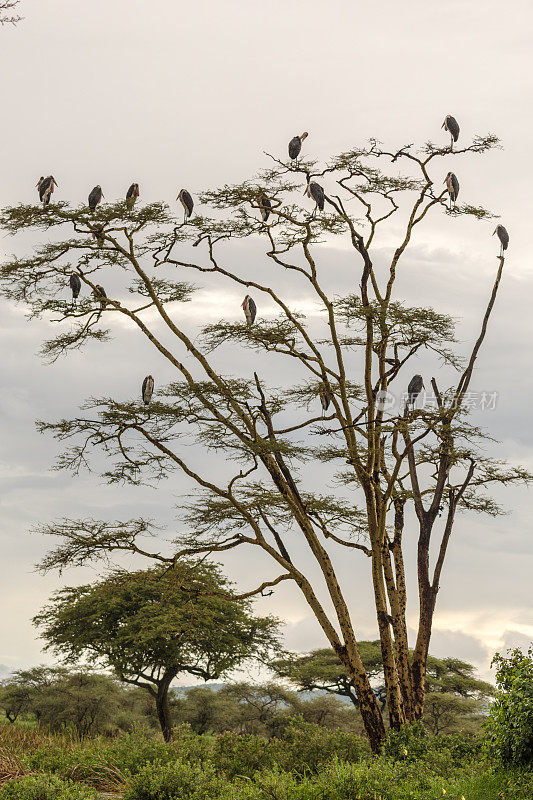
(365, 720)
(260, 742)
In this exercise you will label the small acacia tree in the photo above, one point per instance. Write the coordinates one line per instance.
(379, 461)
(454, 693)
(322, 670)
(87, 701)
(153, 625)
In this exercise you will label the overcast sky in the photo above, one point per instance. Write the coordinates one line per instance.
(174, 94)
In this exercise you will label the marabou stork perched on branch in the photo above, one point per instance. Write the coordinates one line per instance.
(250, 310)
(316, 192)
(452, 184)
(147, 389)
(325, 397)
(264, 205)
(187, 203)
(46, 187)
(295, 145)
(95, 197)
(98, 234)
(451, 125)
(416, 384)
(503, 236)
(131, 196)
(99, 294)
(75, 285)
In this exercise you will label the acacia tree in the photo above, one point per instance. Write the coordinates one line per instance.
(385, 460)
(322, 670)
(452, 688)
(153, 625)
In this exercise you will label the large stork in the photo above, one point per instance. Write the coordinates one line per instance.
(325, 397)
(147, 389)
(131, 196)
(95, 197)
(416, 384)
(98, 234)
(264, 205)
(503, 236)
(451, 125)
(250, 310)
(295, 145)
(187, 202)
(452, 184)
(46, 187)
(316, 192)
(99, 294)
(75, 285)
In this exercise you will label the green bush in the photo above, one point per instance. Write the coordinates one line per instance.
(410, 742)
(44, 787)
(243, 755)
(132, 752)
(306, 746)
(510, 724)
(105, 763)
(273, 785)
(175, 780)
(303, 748)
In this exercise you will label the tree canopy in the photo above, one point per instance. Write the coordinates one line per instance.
(152, 625)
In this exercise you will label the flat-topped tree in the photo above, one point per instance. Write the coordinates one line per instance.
(258, 436)
(153, 625)
(448, 680)
(322, 670)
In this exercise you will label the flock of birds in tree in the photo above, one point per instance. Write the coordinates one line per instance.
(313, 190)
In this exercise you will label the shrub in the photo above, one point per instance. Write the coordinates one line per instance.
(175, 780)
(273, 785)
(44, 787)
(510, 724)
(410, 742)
(243, 755)
(306, 746)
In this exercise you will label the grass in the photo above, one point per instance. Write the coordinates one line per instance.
(310, 763)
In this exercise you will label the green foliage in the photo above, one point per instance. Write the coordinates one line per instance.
(310, 747)
(45, 787)
(149, 626)
(303, 765)
(175, 780)
(321, 669)
(510, 724)
(134, 751)
(302, 748)
(86, 701)
(455, 696)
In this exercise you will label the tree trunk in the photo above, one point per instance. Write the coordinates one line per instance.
(367, 704)
(163, 707)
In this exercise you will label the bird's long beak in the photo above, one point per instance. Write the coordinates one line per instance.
(103, 196)
(55, 182)
(443, 124)
(494, 231)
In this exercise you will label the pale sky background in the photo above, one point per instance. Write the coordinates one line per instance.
(174, 94)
